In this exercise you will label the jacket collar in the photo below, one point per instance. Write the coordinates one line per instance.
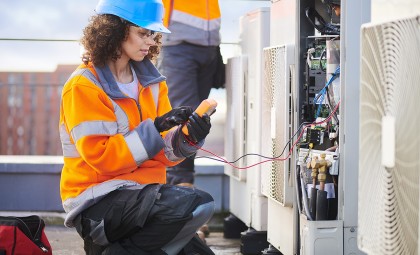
(146, 73)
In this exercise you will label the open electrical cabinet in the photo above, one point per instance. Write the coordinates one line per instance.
(326, 70)
(322, 103)
(318, 125)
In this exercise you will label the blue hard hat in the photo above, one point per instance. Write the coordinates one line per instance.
(147, 14)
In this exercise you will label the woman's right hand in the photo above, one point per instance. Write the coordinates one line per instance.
(174, 117)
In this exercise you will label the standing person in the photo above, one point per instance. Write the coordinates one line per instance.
(190, 57)
(119, 133)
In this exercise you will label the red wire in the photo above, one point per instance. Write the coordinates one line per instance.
(268, 160)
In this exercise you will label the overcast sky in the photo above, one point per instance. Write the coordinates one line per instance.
(65, 20)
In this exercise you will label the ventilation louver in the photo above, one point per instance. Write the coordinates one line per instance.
(389, 159)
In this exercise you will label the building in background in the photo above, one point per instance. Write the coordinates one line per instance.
(29, 111)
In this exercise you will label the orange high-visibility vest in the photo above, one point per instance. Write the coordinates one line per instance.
(196, 22)
(107, 136)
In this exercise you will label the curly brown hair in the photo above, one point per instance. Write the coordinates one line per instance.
(103, 36)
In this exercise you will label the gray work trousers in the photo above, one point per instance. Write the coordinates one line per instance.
(190, 71)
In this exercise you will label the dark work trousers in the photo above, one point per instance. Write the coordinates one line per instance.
(165, 228)
(190, 70)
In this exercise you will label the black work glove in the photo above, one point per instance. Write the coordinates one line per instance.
(198, 127)
(174, 117)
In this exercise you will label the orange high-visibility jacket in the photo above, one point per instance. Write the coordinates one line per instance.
(108, 139)
(196, 22)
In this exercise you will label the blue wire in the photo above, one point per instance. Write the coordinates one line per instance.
(324, 90)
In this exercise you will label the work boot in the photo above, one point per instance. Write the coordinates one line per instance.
(91, 248)
(196, 247)
(117, 249)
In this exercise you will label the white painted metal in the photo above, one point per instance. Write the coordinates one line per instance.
(278, 177)
(389, 192)
(277, 180)
(281, 227)
(246, 200)
(321, 237)
(236, 71)
(282, 230)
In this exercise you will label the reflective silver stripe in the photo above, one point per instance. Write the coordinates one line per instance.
(136, 147)
(185, 18)
(69, 149)
(75, 205)
(169, 150)
(85, 72)
(155, 93)
(121, 126)
(94, 128)
(122, 119)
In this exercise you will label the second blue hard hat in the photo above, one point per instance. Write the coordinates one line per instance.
(144, 13)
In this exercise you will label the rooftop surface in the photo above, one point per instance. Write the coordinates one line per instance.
(66, 241)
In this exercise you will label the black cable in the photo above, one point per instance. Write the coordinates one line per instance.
(319, 23)
(320, 60)
(256, 154)
(291, 139)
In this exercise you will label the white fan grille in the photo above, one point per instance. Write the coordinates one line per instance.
(276, 93)
(267, 95)
(390, 85)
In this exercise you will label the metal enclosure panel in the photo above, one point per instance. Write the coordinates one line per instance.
(247, 202)
(283, 22)
(354, 14)
(281, 229)
(249, 207)
(254, 37)
(350, 244)
(277, 116)
(321, 237)
(236, 70)
(389, 171)
(277, 119)
(239, 202)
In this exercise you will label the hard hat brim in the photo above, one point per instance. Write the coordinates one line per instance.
(147, 14)
(153, 26)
